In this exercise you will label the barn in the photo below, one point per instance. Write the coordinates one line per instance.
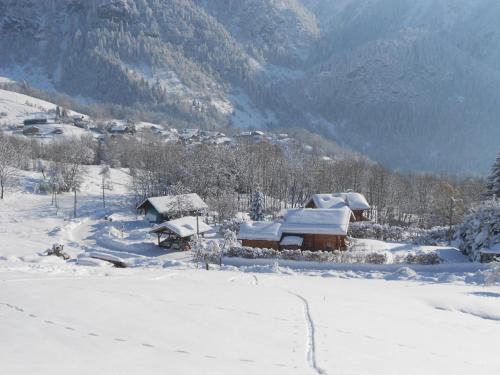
(355, 201)
(260, 234)
(160, 209)
(320, 229)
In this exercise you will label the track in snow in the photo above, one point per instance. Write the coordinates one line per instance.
(93, 334)
(255, 279)
(311, 343)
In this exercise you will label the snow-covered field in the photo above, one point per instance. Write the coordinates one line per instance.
(165, 314)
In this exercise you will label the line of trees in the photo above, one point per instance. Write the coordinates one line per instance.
(227, 176)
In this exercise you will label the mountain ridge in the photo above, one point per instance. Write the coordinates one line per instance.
(415, 86)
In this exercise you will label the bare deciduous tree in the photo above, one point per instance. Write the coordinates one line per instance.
(8, 159)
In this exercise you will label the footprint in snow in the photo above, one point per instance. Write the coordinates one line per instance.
(182, 351)
(148, 345)
(342, 331)
(49, 321)
(282, 319)
(246, 360)
(69, 328)
(32, 316)
(210, 356)
(121, 340)
(93, 334)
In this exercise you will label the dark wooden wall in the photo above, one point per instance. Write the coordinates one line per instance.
(323, 242)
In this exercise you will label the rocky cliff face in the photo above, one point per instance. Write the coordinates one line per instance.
(413, 84)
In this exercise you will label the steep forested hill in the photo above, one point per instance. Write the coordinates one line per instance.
(413, 84)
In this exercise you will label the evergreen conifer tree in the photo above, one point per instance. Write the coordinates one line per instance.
(257, 206)
(494, 179)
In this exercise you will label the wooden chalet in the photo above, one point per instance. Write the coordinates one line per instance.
(302, 228)
(160, 209)
(355, 201)
(320, 229)
(176, 234)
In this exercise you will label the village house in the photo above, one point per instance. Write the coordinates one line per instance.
(355, 201)
(301, 228)
(35, 121)
(320, 229)
(176, 234)
(160, 209)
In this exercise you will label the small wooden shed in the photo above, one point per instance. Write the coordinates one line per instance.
(177, 233)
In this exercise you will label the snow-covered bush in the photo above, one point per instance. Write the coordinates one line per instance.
(230, 224)
(349, 257)
(366, 229)
(377, 258)
(206, 252)
(290, 255)
(492, 276)
(318, 256)
(230, 239)
(341, 257)
(251, 253)
(430, 237)
(480, 230)
(419, 257)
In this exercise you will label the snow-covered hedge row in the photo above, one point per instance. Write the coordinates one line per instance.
(430, 237)
(346, 257)
(480, 230)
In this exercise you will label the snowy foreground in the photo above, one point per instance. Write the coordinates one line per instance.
(167, 315)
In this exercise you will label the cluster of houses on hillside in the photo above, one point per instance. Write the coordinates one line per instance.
(189, 137)
(321, 225)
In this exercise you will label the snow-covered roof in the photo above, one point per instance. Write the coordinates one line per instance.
(292, 241)
(260, 230)
(176, 203)
(183, 227)
(355, 201)
(492, 250)
(317, 221)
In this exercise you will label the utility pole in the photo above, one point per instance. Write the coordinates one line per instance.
(198, 223)
(74, 205)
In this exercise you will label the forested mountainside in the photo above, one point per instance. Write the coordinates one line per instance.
(412, 84)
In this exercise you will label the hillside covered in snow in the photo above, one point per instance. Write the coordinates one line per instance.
(165, 312)
(413, 85)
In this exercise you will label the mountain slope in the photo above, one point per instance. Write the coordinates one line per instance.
(415, 85)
